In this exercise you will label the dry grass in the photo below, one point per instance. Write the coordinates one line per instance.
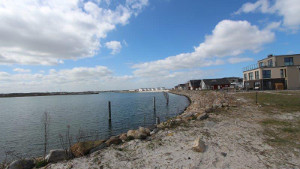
(283, 134)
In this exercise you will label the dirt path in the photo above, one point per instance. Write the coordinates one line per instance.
(233, 136)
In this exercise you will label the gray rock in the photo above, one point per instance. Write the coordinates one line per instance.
(56, 156)
(202, 116)
(210, 124)
(154, 131)
(100, 147)
(199, 145)
(22, 164)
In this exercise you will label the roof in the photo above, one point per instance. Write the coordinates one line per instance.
(277, 56)
(195, 83)
(216, 81)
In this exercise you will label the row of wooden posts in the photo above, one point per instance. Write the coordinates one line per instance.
(109, 111)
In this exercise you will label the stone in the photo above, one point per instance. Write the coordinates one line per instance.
(154, 131)
(225, 104)
(199, 146)
(224, 154)
(56, 156)
(140, 135)
(123, 136)
(83, 148)
(202, 116)
(130, 134)
(147, 131)
(208, 109)
(100, 147)
(113, 140)
(22, 164)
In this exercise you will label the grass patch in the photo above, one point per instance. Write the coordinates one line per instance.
(41, 163)
(287, 103)
(290, 130)
(275, 122)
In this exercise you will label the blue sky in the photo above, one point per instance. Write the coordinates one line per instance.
(104, 44)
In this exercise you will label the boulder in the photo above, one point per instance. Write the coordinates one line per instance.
(123, 136)
(154, 131)
(199, 146)
(56, 156)
(130, 134)
(100, 147)
(140, 135)
(113, 140)
(202, 116)
(83, 148)
(22, 164)
(225, 104)
(144, 131)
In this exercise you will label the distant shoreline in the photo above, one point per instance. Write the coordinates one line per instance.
(45, 94)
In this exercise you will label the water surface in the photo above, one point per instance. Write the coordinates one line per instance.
(21, 127)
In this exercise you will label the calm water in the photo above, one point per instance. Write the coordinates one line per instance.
(21, 128)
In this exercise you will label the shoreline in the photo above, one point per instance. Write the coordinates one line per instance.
(217, 130)
(150, 127)
(35, 94)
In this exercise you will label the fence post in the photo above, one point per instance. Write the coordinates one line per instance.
(109, 111)
(157, 120)
(154, 108)
(256, 97)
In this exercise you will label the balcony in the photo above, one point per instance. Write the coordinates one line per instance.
(250, 67)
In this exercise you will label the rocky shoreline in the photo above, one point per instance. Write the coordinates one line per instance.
(217, 130)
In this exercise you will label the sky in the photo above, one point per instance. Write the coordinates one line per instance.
(83, 45)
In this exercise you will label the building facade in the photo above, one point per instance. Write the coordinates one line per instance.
(273, 73)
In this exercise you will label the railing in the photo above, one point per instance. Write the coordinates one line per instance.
(250, 67)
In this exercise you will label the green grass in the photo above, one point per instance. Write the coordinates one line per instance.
(287, 103)
(275, 122)
(282, 134)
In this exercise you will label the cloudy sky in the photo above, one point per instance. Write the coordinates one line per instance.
(79, 45)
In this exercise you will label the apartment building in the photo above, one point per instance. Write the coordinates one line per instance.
(273, 73)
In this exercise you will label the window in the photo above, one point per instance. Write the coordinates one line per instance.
(270, 63)
(261, 64)
(266, 73)
(245, 76)
(288, 61)
(257, 85)
(281, 73)
(251, 76)
(256, 75)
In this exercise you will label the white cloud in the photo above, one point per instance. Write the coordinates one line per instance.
(234, 60)
(50, 31)
(115, 46)
(288, 9)
(261, 5)
(229, 38)
(75, 79)
(20, 70)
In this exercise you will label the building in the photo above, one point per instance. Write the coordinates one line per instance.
(215, 84)
(235, 82)
(183, 87)
(194, 84)
(274, 72)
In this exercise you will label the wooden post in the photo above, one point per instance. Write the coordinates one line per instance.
(256, 97)
(109, 111)
(154, 108)
(157, 120)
